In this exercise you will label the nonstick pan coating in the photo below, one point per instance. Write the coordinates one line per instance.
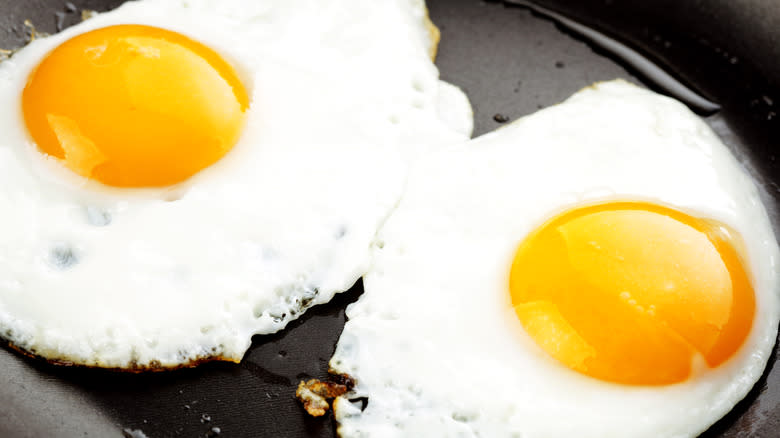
(510, 61)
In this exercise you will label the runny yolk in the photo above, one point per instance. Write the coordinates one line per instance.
(134, 106)
(632, 292)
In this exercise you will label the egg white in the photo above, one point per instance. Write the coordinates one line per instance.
(434, 343)
(343, 94)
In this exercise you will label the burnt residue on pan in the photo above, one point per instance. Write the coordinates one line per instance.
(315, 395)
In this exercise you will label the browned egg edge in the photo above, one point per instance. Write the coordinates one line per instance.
(134, 367)
(434, 35)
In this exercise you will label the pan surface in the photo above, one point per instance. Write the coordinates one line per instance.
(510, 61)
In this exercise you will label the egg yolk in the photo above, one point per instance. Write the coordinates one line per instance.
(134, 106)
(633, 293)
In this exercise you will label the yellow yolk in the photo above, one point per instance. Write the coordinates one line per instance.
(134, 106)
(632, 292)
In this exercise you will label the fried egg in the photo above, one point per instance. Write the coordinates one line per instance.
(602, 268)
(177, 176)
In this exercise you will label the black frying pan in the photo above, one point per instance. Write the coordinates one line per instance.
(511, 62)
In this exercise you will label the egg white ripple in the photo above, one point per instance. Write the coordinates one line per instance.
(343, 94)
(434, 343)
